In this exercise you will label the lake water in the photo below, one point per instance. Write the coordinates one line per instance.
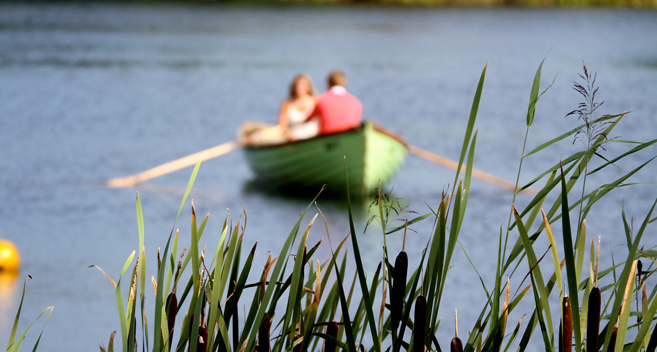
(94, 91)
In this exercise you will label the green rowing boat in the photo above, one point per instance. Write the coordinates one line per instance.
(369, 153)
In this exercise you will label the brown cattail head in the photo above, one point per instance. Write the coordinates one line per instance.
(331, 330)
(202, 344)
(456, 345)
(172, 311)
(298, 347)
(420, 330)
(612, 341)
(639, 271)
(567, 326)
(653, 341)
(263, 334)
(398, 289)
(593, 320)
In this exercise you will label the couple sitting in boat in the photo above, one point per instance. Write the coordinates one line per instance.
(305, 115)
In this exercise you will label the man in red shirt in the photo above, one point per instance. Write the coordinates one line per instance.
(337, 110)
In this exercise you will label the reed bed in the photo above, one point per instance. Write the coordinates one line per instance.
(300, 303)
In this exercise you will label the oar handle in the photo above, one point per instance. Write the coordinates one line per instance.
(435, 158)
(172, 166)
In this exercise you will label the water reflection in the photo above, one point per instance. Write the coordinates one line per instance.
(8, 289)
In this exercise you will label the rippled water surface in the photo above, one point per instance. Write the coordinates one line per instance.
(89, 92)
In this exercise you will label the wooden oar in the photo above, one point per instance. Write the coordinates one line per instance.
(435, 158)
(228, 147)
(189, 160)
(172, 166)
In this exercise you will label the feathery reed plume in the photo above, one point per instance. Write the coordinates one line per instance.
(593, 320)
(456, 344)
(567, 327)
(263, 334)
(398, 290)
(332, 331)
(420, 329)
(586, 108)
(612, 341)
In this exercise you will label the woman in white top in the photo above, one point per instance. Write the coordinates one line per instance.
(297, 107)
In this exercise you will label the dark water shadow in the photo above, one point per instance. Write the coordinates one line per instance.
(328, 198)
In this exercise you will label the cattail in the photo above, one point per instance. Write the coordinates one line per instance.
(567, 326)
(612, 341)
(653, 341)
(201, 346)
(456, 344)
(299, 346)
(420, 331)
(263, 334)
(593, 320)
(398, 289)
(331, 330)
(172, 301)
(172, 311)
(639, 271)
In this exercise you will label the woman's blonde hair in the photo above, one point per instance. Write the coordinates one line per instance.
(311, 86)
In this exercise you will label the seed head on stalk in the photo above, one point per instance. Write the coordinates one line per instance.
(420, 328)
(587, 108)
(202, 344)
(263, 334)
(172, 301)
(593, 320)
(456, 344)
(652, 344)
(612, 341)
(398, 289)
(567, 326)
(299, 346)
(332, 331)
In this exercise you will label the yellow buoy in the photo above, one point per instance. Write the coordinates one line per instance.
(10, 259)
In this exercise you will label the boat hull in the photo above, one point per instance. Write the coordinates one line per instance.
(368, 153)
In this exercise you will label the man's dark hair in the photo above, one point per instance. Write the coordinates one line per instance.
(337, 78)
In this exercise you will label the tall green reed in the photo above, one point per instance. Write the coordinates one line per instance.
(303, 304)
(14, 344)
